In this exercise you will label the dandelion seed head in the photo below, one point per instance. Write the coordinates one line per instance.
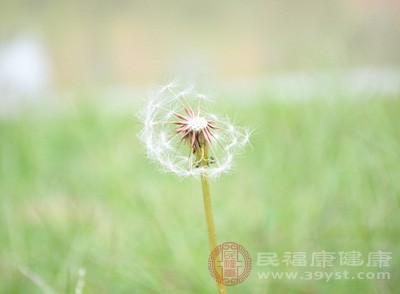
(177, 126)
(197, 123)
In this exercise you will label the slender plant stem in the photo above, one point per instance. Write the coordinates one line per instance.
(201, 154)
(212, 236)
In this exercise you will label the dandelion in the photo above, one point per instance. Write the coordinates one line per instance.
(175, 119)
(184, 138)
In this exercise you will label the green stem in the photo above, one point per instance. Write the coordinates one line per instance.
(212, 237)
(201, 153)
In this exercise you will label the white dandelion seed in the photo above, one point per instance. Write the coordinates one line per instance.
(184, 138)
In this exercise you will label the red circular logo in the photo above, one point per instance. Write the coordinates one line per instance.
(229, 263)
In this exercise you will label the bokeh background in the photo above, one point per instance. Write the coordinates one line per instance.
(319, 81)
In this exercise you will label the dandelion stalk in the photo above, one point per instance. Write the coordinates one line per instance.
(212, 235)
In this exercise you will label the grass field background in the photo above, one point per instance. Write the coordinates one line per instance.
(78, 192)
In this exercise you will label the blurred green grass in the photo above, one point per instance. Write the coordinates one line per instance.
(77, 191)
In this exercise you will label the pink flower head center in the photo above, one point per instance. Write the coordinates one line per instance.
(197, 123)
